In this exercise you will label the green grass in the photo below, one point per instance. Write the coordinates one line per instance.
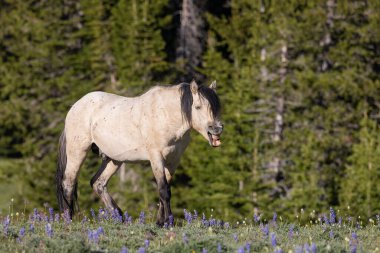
(73, 237)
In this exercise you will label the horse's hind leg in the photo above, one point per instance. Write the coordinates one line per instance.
(100, 180)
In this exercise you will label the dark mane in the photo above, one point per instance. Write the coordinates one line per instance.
(205, 93)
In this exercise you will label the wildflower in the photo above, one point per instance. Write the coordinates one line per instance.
(313, 248)
(278, 250)
(340, 221)
(171, 220)
(248, 247)
(204, 250)
(142, 218)
(291, 231)
(146, 243)
(141, 250)
(94, 216)
(256, 218)
(56, 218)
(49, 230)
(240, 250)
(219, 248)
(354, 236)
(6, 225)
(298, 249)
(35, 215)
(21, 234)
(327, 222)
(124, 250)
(66, 217)
(273, 239)
(204, 221)
(306, 247)
(274, 217)
(31, 228)
(265, 230)
(227, 225)
(332, 216)
(188, 216)
(185, 240)
(51, 212)
(331, 234)
(195, 216)
(235, 237)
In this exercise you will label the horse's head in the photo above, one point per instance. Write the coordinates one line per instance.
(202, 111)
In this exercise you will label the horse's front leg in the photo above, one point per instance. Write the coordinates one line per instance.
(163, 188)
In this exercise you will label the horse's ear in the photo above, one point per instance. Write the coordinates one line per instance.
(194, 87)
(213, 85)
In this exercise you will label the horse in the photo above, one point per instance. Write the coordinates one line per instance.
(154, 127)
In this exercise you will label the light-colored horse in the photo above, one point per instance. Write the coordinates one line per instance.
(154, 126)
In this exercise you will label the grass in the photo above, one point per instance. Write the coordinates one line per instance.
(45, 232)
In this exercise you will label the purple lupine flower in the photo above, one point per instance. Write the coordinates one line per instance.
(332, 216)
(7, 221)
(306, 247)
(147, 242)
(235, 237)
(274, 217)
(35, 214)
(66, 216)
(291, 231)
(298, 249)
(204, 250)
(51, 212)
(129, 221)
(142, 218)
(340, 221)
(278, 250)
(49, 230)
(100, 214)
(195, 216)
(353, 248)
(171, 220)
(326, 221)
(204, 221)
(212, 222)
(117, 217)
(256, 218)
(100, 231)
(46, 218)
(354, 236)
(185, 240)
(313, 248)
(331, 234)
(31, 228)
(273, 239)
(56, 218)
(124, 250)
(84, 220)
(219, 248)
(265, 230)
(227, 225)
(188, 216)
(21, 234)
(141, 250)
(126, 216)
(248, 247)
(92, 211)
(240, 250)
(349, 218)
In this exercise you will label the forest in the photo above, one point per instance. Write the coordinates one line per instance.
(298, 81)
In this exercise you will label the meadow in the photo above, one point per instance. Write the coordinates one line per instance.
(102, 231)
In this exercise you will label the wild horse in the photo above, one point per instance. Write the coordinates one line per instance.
(154, 127)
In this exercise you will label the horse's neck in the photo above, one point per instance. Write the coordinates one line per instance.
(176, 123)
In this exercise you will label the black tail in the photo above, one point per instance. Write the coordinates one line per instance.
(61, 167)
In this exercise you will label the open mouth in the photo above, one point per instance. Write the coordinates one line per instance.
(214, 139)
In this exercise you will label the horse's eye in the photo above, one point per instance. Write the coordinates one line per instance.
(197, 107)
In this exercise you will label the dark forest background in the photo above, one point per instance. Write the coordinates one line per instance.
(298, 80)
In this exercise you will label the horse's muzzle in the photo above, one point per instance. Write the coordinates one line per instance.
(214, 133)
